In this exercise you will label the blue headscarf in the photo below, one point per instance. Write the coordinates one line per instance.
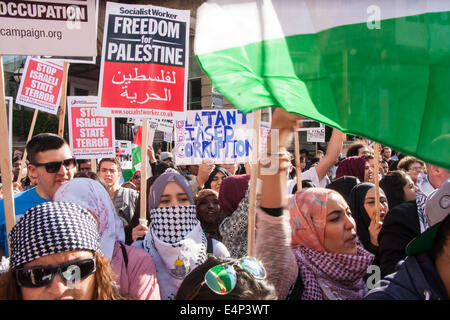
(160, 183)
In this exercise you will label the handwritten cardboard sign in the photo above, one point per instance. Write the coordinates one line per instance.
(144, 62)
(40, 87)
(223, 136)
(90, 136)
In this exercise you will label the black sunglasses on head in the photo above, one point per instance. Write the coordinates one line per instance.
(39, 276)
(53, 167)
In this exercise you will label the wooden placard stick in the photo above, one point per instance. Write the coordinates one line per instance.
(298, 169)
(253, 183)
(143, 191)
(62, 109)
(377, 181)
(24, 157)
(5, 161)
(94, 165)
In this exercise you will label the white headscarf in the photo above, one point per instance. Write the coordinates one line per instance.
(91, 195)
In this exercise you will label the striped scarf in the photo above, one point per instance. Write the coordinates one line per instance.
(332, 276)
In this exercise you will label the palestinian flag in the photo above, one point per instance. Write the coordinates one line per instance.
(372, 68)
(135, 154)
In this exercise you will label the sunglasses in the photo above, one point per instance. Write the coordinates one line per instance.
(53, 167)
(36, 277)
(222, 279)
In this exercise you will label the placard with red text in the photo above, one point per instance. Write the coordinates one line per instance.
(144, 62)
(40, 86)
(90, 136)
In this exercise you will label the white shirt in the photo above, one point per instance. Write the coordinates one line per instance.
(310, 174)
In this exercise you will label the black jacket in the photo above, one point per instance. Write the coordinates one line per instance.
(416, 279)
(400, 226)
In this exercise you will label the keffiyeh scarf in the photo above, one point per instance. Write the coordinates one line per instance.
(177, 244)
(333, 276)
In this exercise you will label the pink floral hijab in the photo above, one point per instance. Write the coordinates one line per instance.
(91, 195)
(308, 213)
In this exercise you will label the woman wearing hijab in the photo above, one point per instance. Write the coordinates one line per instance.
(357, 167)
(208, 212)
(216, 177)
(234, 202)
(135, 271)
(344, 186)
(331, 263)
(363, 208)
(175, 238)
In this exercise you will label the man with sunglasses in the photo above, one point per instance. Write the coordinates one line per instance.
(51, 164)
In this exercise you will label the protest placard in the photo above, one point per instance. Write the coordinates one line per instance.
(40, 86)
(144, 62)
(58, 27)
(124, 153)
(90, 136)
(223, 136)
(165, 125)
(315, 135)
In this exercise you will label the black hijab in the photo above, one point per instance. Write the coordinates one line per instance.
(362, 219)
(344, 186)
(225, 172)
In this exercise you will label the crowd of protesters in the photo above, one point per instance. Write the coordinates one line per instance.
(78, 234)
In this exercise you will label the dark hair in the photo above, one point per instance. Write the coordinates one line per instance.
(81, 161)
(344, 186)
(441, 238)
(353, 149)
(224, 171)
(113, 160)
(161, 167)
(93, 176)
(305, 184)
(392, 184)
(367, 157)
(247, 286)
(43, 142)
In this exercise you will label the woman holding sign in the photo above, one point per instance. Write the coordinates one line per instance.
(175, 238)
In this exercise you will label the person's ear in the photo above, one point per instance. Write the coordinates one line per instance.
(32, 171)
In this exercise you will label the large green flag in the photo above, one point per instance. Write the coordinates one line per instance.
(373, 68)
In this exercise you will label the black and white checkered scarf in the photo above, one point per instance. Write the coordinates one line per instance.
(50, 228)
(172, 224)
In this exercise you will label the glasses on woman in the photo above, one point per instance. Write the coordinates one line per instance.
(39, 276)
(222, 279)
(53, 167)
(418, 168)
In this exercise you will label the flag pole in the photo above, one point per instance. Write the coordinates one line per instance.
(24, 157)
(143, 191)
(253, 182)
(298, 170)
(5, 160)
(62, 109)
(377, 181)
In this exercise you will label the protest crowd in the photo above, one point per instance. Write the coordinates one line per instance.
(357, 220)
(316, 243)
